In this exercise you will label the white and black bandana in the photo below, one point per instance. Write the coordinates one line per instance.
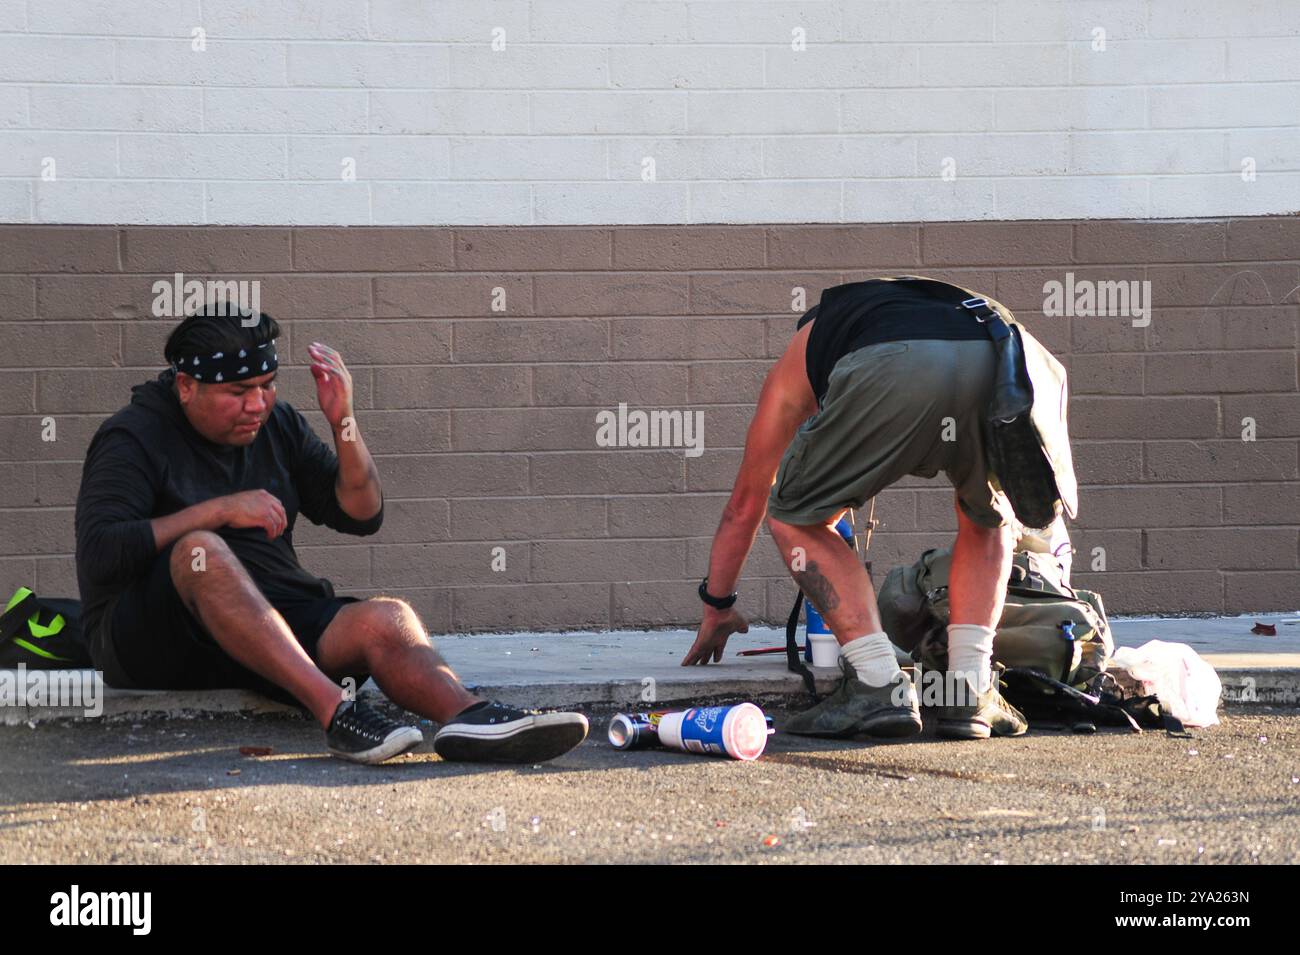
(234, 366)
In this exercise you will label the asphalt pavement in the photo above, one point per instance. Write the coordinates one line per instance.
(177, 789)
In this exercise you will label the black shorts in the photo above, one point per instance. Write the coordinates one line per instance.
(149, 640)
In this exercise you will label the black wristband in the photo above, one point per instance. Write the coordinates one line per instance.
(717, 603)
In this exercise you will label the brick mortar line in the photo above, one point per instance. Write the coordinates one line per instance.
(1216, 227)
(453, 541)
(669, 276)
(342, 231)
(621, 180)
(665, 92)
(1200, 222)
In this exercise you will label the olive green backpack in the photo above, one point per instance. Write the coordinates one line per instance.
(1046, 625)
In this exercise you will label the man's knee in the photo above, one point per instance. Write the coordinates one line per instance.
(195, 552)
(389, 623)
(781, 530)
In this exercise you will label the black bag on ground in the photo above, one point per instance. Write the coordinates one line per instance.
(43, 633)
(1101, 702)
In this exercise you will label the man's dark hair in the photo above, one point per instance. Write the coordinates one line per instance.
(218, 327)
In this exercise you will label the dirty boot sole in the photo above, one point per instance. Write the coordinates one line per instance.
(972, 729)
(890, 725)
(896, 725)
(963, 729)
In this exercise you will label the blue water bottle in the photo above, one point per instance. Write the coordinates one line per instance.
(813, 622)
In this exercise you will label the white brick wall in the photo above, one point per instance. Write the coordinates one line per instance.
(751, 110)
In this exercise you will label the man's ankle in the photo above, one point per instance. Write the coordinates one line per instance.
(872, 658)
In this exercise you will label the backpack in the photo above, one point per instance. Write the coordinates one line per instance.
(1046, 625)
(42, 633)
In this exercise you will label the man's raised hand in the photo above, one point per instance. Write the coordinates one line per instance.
(333, 384)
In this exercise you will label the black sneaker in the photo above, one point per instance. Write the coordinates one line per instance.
(364, 735)
(492, 732)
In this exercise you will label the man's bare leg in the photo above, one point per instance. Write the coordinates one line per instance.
(981, 564)
(830, 575)
(880, 701)
(219, 592)
(384, 637)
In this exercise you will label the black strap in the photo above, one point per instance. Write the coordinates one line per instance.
(794, 663)
(1173, 725)
(15, 618)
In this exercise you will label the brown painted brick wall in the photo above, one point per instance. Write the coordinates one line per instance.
(482, 355)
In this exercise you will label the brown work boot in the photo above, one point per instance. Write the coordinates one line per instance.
(855, 709)
(980, 715)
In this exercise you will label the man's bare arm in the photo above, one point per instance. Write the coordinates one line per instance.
(205, 516)
(785, 402)
(357, 488)
(245, 509)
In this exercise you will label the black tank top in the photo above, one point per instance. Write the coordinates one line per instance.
(852, 316)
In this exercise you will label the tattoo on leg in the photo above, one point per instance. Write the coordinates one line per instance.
(817, 588)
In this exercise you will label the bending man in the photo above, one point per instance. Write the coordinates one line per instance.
(880, 381)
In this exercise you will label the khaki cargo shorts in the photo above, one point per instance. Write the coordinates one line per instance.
(894, 409)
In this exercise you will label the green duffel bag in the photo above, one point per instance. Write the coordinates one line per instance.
(1046, 625)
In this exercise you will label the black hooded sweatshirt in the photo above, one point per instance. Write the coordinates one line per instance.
(148, 461)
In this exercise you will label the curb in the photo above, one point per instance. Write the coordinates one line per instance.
(1265, 686)
(1275, 686)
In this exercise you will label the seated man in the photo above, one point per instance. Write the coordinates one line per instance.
(881, 380)
(188, 574)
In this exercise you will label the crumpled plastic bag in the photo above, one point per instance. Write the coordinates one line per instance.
(1186, 686)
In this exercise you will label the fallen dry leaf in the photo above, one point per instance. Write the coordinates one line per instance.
(254, 751)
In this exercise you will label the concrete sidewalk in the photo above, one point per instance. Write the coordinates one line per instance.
(635, 667)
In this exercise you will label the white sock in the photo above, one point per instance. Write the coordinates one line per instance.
(970, 651)
(872, 656)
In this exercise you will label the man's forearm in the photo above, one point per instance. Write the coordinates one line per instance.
(204, 516)
(357, 487)
(731, 546)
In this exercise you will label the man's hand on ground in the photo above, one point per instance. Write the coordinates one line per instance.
(711, 640)
(254, 509)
